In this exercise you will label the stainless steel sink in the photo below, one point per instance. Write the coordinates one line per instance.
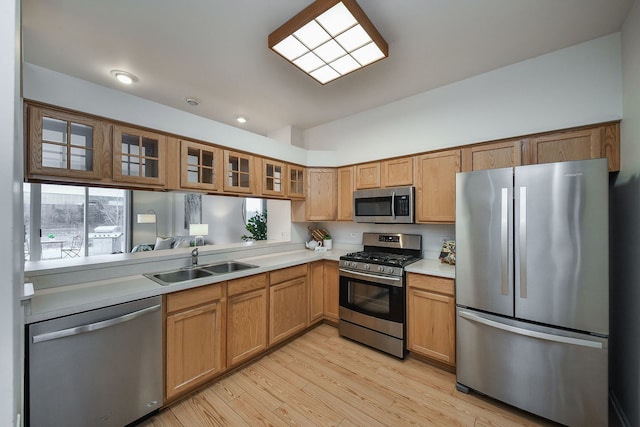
(184, 274)
(227, 267)
(178, 276)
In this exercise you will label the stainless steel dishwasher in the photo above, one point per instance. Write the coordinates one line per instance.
(98, 368)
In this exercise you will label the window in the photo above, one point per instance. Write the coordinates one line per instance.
(63, 221)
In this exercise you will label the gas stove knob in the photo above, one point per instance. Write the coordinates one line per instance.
(367, 267)
(389, 269)
(381, 269)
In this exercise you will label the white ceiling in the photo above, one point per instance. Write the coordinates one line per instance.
(216, 50)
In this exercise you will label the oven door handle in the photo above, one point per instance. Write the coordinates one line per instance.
(391, 281)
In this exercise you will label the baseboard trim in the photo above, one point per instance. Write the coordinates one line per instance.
(617, 409)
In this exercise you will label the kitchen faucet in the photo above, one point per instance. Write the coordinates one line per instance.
(194, 257)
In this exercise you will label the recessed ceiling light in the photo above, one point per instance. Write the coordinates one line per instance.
(124, 77)
(192, 101)
(241, 120)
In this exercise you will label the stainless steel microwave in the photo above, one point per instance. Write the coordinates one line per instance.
(384, 205)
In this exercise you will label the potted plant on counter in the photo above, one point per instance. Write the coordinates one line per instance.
(327, 242)
(257, 226)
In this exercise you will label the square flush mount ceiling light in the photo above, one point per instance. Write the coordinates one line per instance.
(329, 39)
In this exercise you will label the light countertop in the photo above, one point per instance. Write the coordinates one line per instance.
(432, 267)
(65, 300)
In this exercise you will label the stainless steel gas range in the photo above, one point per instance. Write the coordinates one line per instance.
(372, 290)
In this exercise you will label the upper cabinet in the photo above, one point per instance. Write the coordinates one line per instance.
(65, 145)
(436, 186)
(581, 144)
(239, 173)
(492, 156)
(200, 166)
(138, 156)
(397, 172)
(297, 187)
(320, 203)
(346, 184)
(368, 176)
(387, 173)
(273, 178)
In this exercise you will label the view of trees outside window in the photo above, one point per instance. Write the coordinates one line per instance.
(62, 221)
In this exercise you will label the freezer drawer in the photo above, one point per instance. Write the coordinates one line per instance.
(98, 368)
(556, 374)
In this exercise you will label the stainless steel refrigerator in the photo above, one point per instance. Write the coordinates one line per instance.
(532, 288)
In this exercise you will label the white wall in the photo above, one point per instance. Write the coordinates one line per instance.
(625, 238)
(570, 87)
(11, 215)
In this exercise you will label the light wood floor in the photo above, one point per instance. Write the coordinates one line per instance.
(321, 379)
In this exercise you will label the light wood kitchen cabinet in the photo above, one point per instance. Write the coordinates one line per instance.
(296, 188)
(195, 337)
(273, 178)
(397, 172)
(581, 144)
(139, 156)
(239, 173)
(288, 304)
(316, 291)
(66, 145)
(200, 166)
(431, 310)
(246, 318)
(331, 290)
(492, 156)
(368, 176)
(346, 185)
(320, 203)
(436, 186)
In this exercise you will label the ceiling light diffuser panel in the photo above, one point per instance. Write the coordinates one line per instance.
(329, 39)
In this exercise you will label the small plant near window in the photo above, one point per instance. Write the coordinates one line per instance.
(257, 226)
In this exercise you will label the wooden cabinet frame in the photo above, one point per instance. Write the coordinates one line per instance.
(138, 157)
(195, 337)
(205, 161)
(35, 145)
(431, 312)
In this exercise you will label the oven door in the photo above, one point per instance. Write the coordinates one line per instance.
(376, 296)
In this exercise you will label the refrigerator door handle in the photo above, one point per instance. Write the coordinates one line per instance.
(533, 334)
(523, 242)
(504, 240)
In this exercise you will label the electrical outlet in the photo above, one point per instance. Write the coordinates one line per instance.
(443, 239)
(353, 234)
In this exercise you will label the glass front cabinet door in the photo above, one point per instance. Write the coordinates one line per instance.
(64, 145)
(138, 156)
(297, 188)
(238, 172)
(201, 166)
(273, 178)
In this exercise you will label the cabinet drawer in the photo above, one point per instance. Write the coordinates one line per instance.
(194, 297)
(285, 274)
(431, 283)
(245, 284)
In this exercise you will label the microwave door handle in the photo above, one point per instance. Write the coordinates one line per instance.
(393, 204)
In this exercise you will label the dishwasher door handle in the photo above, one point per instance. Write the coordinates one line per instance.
(48, 336)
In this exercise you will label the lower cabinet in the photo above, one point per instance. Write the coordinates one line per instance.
(431, 308)
(288, 302)
(195, 337)
(331, 290)
(246, 318)
(316, 291)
